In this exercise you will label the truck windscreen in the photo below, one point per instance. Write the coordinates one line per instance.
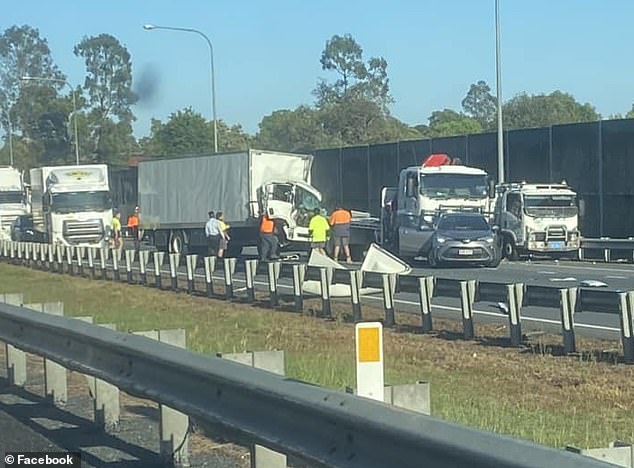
(305, 204)
(11, 197)
(75, 202)
(550, 205)
(453, 186)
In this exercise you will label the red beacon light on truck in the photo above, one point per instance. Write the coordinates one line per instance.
(440, 159)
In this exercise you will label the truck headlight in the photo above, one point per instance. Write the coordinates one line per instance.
(489, 239)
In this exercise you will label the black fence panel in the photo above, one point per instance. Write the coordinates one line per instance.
(575, 156)
(528, 155)
(383, 172)
(617, 138)
(618, 216)
(412, 153)
(482, 152)
(355, 178)
(589, 215)
(456, 147)
(326, 176)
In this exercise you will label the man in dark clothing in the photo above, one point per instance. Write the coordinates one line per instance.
(268, 239)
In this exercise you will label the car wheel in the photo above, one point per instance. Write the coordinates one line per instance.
(495, 262)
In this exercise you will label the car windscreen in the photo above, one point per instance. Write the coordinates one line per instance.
(463, 223)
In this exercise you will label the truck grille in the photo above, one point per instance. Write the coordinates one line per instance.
(556, 233)
(6, 221)
(79, 232)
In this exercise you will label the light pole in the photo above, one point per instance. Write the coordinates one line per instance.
(499, 93)
(59, 80)
(150, 27)
(8, 113)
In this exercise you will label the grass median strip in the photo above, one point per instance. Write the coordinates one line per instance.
(554, 401)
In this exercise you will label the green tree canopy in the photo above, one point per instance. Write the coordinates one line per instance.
(480, 104)
(542, 110)
(630, 114)
(449, 123)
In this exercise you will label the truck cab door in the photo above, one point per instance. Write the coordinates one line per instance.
(277, 201)
(389, 207)
(511, 216)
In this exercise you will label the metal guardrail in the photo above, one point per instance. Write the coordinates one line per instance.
(322, 426)
(607, 246)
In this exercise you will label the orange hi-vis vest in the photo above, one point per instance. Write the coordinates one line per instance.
(267, 226)
(340, 217)
(133, 221)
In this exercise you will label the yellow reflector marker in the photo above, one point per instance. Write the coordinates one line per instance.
(369, 350)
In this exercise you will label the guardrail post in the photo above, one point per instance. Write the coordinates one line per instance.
(51, 256)
(568, 304)
(174, 260)
(15, 358)
(190, 261)
(27, 254)
(91, 260)
(69, 260)
(626, 300)
(59, 258)
(80, 252)
(43, 256)
(356, 279)
(271, 361)
(389, 288)
(515, 294)
(174, 425)
(12, 250)
(467, 297)
(144, 257)
(274, 274)
(19, 253)
(299, 273)
(104, 252)
(55, 375)
(425, 294)
(324, 280)
(116, 258)
(158, 263)
(4, 249)
(106, 404)
(229, 269)
(210, 266)
(129, 261)
(250, 268)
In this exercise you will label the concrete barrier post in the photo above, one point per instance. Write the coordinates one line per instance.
(250, 267)
(356, 279)
(43, 255)
(130, 255)
(144, 258)
(80, 252)
(174, 260)
(59, 258)
(103, 262)
(324, 281)
(191, 271)
(55, 375)
(116, 257)
(626, 300)
(467, 298)
(413, 397)
(4, 249)
(69, 259)
(274, 273)
(389, 288)
(568, 304)
(515, 295)
(299, 273)
(271, 361)
(210, 266)
(158, 258)
(27, 253)
(229, 270)
(50, 250)
(15, 358)
(91, 251)
(106, 400)
(425, 295)
(13, 251)
(174, 425)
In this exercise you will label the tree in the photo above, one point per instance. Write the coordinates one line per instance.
(292, 130)
(630, 114)
(480, 104)
(108, 85)
(542, 110)
(449, 123)
(22, 53)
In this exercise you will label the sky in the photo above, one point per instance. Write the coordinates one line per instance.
(266, 53)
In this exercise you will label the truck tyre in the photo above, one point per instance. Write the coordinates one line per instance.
(509, 249)
(178, 243)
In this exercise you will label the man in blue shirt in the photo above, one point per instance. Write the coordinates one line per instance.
(212, 232)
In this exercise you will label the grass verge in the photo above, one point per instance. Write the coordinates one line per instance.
(555, 401)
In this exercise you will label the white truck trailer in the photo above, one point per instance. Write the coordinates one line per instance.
(13, 201)
(175, 195)
(71, 205)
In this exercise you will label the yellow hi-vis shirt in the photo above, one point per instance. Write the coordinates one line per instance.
(319, 227)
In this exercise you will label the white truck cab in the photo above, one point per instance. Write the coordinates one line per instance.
(72, 205)
(13, 199)
(537, 218)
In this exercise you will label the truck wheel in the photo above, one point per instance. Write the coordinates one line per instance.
(509, 250)
(178, 243)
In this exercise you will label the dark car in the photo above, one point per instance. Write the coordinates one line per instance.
(465, 238)
(22, 230)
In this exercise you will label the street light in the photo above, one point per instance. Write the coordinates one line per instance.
(499, 93)
(8, 113)
(150, 27)
(60, 80)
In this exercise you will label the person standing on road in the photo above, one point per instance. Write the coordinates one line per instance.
(224, 234)
(340, 221)
(318, 229)
(115, 228)
(212, 232)
(268, 239)
(133, 227)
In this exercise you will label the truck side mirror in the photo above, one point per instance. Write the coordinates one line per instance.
(491, 187)
(582, 208)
